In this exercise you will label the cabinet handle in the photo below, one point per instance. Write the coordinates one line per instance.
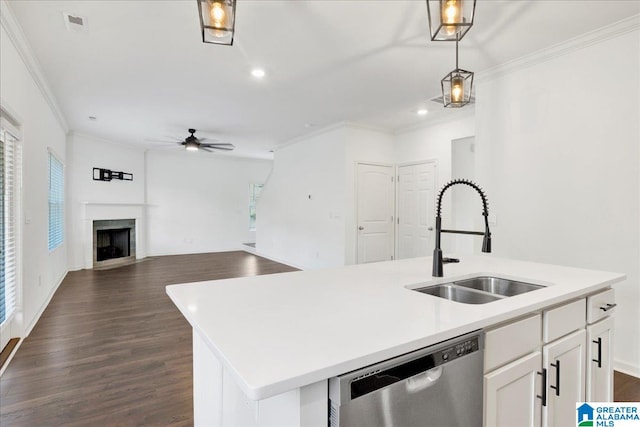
(599, 359)
(608, 307)
(557, 386)
(544, 386)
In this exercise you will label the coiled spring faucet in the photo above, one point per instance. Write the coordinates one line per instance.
(438, 261)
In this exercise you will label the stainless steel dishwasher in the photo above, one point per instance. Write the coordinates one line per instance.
(437, 386)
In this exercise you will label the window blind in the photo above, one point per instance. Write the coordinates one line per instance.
(56, 202)
(10, 163)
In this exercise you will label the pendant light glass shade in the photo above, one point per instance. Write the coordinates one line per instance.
(457, 86)
(449, 20)
(217, 21)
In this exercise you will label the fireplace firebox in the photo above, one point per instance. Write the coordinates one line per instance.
(114, 242)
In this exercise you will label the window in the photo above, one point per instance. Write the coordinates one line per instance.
(10, 165)
(254, 194)
(56, 202)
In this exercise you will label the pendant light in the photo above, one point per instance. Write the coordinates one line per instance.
(457, 86)
(449, 20)
(217, 21)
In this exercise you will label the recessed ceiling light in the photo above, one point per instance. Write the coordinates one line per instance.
(258, 73)
(422, 112)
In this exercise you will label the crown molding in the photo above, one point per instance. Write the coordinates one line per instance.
(329, 128)
(590, 38)
(14, 30)
(447, 118)
(363, 126)
(127, 145)
(308, 135)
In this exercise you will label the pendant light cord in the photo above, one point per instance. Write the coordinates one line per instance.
(457, 38)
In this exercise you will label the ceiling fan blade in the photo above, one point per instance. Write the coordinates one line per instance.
(219, 148)
(219, 144)
(205, 149)
(160, 141)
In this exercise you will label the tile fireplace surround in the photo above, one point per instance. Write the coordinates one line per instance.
(109, 213)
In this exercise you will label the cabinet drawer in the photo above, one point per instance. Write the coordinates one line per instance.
(509, 342)
(563, 320)
(600, 305)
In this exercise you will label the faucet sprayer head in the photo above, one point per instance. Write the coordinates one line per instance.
(483, 196)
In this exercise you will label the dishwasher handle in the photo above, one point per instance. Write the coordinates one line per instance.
(424, 380)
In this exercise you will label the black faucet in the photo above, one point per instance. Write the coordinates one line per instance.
(438, 261)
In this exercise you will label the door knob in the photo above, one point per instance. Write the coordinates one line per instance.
(430, 228)
(361, 228)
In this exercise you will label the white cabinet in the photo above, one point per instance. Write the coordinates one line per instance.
(600, 308)
(538, 367)
(564, 361)
(512, 393)
(600, 361)
(513, 368)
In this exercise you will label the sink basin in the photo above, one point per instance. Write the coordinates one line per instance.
(496, 285)
(453, 293)
(479, 290)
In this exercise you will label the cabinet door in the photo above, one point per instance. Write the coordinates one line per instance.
(564, 361)
(511, 394)
(599, 361)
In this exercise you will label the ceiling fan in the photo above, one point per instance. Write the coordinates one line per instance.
(193, 143)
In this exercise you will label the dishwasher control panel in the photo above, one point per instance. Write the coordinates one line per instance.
(458, 350)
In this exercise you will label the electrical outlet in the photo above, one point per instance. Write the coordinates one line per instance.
(39, 280)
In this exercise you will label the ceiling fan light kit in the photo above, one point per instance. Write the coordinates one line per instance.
(450, 20)
(217, 21)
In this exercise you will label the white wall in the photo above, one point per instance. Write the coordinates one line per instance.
(317, 231)
(83, 154)
(465, 203)
(434, 142)
(197, 202)
(301, 211)
(42, 270)
(557, 146)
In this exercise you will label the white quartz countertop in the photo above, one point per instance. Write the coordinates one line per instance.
(278, 332)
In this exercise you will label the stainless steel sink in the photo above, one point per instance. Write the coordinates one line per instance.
(479, 290)
(454, 293)
(496, 285)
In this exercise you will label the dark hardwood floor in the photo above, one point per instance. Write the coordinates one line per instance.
(626, 388)
(111, 349)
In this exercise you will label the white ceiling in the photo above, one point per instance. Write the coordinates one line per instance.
(143, 71)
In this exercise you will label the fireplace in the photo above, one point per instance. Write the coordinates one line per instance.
(114, 242)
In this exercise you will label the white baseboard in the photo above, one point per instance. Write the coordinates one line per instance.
(44, 306)
(279, 261)
(13, 352)
(627, 368)
(249, 249)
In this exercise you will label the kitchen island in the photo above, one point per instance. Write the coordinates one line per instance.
(265, 346)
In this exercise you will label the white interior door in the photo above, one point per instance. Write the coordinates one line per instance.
(375, 201)
(416, 209)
